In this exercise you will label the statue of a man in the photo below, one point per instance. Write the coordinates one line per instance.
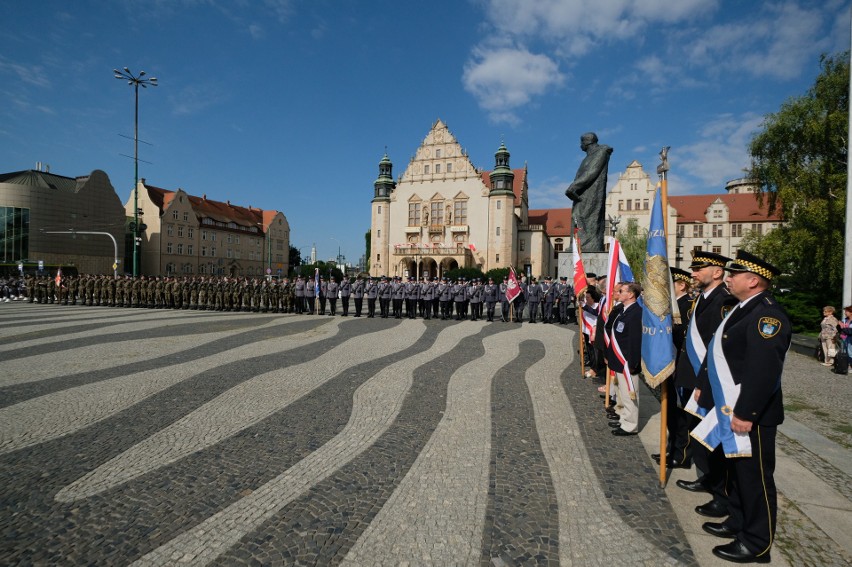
(588, 192)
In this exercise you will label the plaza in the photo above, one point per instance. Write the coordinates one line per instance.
(159, 437)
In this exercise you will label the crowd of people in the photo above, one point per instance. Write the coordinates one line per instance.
(547, 301)
(725, 399)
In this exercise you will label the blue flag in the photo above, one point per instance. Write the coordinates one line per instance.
(658, 351)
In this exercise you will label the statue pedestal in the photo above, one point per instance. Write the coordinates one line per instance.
(594, 262)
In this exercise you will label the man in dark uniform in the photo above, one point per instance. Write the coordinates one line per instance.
(490, 292)
(385, 291)
(358, 294)
(533, 298)
(444, 293)
(708, 310)
(504, 301)
(624, 355)
(371, 290)
(748, 351)
(475, 298)
(427, 296)
(310, 295)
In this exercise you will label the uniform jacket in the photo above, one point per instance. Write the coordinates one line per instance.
(626, 327)
(709, 311)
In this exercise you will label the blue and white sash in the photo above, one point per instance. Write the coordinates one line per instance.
(695, 352)
(715, 427)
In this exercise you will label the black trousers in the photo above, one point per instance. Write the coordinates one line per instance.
(359, 306)
(332, 303)
(345, 302)
(752, 496)
(371, 307)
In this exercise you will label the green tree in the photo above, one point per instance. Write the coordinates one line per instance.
(295, 258)
(367, 254)
(634, 242)
(326, 270)
(799, 161)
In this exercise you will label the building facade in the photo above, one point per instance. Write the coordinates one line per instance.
(44, 217)
(186, 235)
(444, 213)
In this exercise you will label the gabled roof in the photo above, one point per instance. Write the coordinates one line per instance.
(557, 222)
(742, 207)
(216, 210)
(517, 183)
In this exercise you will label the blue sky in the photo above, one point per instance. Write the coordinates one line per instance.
(289, 105)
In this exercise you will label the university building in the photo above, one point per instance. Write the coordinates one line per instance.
(712, 222)
(186, 235)
(444, 213)
(45, 218)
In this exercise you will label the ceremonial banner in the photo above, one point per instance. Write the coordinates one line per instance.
(316, 283)
(513, 290)
(658, 351)
(618, 270)
(580, 282)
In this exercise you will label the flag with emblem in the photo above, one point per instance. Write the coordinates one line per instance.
(513, 290)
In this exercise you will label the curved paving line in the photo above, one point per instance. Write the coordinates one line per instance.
(238, 408)
(437, 513)
(320, 526)
(375, 405)
(241, 337)
(61, 413)
(53, 330)
(521, 521)
(134, 518)
(623, 475)
(124, 331)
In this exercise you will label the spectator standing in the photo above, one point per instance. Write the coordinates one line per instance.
(828, 335)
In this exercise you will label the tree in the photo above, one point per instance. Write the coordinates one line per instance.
(367, 254)
(799, 160)
(295, 258)
(634, 242)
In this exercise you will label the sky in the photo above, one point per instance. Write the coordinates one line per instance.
(291, 104)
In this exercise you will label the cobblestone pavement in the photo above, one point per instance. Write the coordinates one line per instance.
(163, 438)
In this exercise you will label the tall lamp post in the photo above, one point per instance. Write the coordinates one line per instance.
(136, 81)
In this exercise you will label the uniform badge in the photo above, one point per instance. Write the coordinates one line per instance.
(768, 327)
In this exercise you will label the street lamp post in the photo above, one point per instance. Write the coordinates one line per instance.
(136, 81)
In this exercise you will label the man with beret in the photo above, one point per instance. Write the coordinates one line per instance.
(740, 389)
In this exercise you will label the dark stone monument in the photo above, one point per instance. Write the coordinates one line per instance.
(588, 192)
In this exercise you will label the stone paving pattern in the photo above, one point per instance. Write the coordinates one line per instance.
(214, 438)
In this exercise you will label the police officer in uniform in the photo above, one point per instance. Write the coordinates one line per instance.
(371, 290)
(299, 291)
(534, 298)
(331, 291)
(358, 294)
(345, 292)
(489, 295)
(753, 343)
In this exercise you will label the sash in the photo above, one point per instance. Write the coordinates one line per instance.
(631, 387)
(696, 352)
(589, 322)
(715, 427)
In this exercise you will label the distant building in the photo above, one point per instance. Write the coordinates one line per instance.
(445, 213)
(187, 235)
(713, 222)
(36, 202)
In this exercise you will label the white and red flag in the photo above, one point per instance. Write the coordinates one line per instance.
(513, 290)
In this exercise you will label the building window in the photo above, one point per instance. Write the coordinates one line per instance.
(213, 236)
(497, 258)
(378, 257)
(757, 228)
(203, 235)
(380, 209)
(638, 201)
(180, 231)
(680, 229)
(238, 239)
(717, 231)
(170, 229)
(190, 232)
(522, 244)
(180, 248)
(437, 168)
(717, 250)
(413, 214)
(449, 167)
(717, 213)
(620, 205)
(185, 217)
(736, 229)
(698, 231)
(201, 268)
(437, 154)
(189, 249)
(204, 251)
(498, 231)
(558, 244)
(230, 238)
(175, 215)
(498, 205)
(436, 216)
(230, 253)
(645, 204)
(212, 250)
(460, 212)
(629, 205)
(379, 233)
(426, 169)
(168, 248)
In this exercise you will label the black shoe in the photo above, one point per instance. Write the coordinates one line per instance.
(718, 529)
(737, 552)
(692, 485)
(713, 509)
(614, 424)
(613, 416)
(656, 457)
(622, 433)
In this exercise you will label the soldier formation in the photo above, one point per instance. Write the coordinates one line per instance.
(549, 301)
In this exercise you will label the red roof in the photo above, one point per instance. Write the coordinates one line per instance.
(742, 207)
(557, 222)
(517, 183)
(217, 210)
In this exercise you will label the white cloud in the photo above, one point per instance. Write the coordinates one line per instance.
(504, 78)
(32, 74)
(720, 153)
(256, 31)
(194, 99)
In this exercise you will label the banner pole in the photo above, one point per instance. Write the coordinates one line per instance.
(582, 341)
(664, 395)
